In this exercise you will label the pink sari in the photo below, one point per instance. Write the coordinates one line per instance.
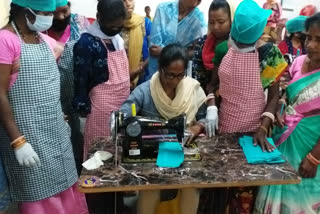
(70, 201)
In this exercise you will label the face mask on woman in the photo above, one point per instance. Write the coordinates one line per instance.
(110, 32)
(42, 23)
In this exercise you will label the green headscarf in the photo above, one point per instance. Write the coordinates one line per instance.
(39, 5)
(249, 22)
(61, 3)
(296, 25)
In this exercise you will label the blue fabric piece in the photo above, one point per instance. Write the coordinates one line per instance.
(255, 155)
(170, 154)
(167, 29)
(90, 70)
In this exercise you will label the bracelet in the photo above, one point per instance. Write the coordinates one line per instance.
(18, 146)
(283, 101)
(313, 160)
(18, 142)
(264, 129)
(210, 97)
(18, 139)
(268, 115)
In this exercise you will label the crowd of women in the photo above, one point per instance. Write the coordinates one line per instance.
(230, 75)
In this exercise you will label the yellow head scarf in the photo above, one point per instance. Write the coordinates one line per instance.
(136, 34)
(189, 97)
(233, 4)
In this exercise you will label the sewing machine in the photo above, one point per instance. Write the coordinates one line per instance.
(138, 144)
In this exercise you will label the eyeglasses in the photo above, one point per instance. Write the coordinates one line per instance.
(172, 76)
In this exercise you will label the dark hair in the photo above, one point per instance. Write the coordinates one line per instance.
(146, 7)
(14, 11)
(315, 19)
(111, 10)
(220, 4)
(171, 53)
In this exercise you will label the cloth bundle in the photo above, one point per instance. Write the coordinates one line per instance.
(255, 155)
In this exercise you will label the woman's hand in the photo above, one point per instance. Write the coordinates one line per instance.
(260, 137)
(307, 169)
(155, 50)
(211, 121)
(135, 72)
(195, 130)
(280, 115)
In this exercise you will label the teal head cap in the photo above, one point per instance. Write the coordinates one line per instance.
(249, 22)
(39, 5)
(61, 3)
(296, 25)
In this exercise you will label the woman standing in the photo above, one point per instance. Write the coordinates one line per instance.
(244, 74)
(174, 22)
(293, 45)
(39, 161)
(276, 8)
(136, 33)
(66, 29)
(101, 71)
(221, 14)
(300, 137)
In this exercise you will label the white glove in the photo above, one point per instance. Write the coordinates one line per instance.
(211, 121)
(26, 156)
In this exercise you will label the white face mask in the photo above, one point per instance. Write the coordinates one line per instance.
(42, 23)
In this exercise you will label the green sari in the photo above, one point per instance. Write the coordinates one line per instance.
(300, 135)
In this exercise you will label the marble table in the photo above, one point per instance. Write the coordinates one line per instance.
(223, 164)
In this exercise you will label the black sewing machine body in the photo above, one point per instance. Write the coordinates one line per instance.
(141, 137)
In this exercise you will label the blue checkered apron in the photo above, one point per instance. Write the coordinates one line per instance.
(35, 101)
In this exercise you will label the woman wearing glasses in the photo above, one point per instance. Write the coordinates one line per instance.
(168, 94)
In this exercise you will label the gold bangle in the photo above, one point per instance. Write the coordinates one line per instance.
(16, 140)
(19, 146)
(313, 160)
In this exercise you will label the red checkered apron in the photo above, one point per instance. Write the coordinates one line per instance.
(107, 97)
(243, 99)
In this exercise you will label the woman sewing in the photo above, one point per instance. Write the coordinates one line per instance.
(168, 94)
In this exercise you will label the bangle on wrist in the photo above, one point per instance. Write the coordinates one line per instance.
(210, 97)
(18, 143)
(312, 159)
(268, 115)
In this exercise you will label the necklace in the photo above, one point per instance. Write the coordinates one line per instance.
(16, 27)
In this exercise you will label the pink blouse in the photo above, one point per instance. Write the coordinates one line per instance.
(10, 47)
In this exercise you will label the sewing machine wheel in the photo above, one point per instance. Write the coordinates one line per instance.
(133, 129)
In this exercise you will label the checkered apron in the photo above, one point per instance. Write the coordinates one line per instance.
(35, 102)
(243, 99)
(107, 97)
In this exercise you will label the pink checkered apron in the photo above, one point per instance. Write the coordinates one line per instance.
(243, 99)
(107, 97)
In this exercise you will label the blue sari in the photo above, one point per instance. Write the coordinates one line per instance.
(167, 29)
